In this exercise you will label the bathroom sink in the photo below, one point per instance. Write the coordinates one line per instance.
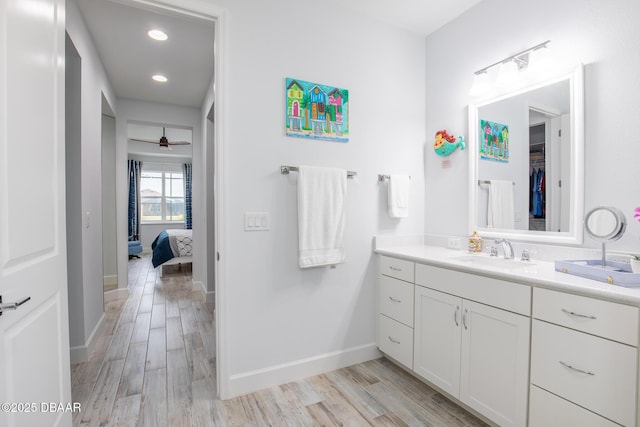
(489, 261)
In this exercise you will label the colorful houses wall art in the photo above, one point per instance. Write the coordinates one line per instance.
(494, 141)
(316, 111)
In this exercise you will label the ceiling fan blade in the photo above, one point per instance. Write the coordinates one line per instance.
(179, 143)
(143, 140)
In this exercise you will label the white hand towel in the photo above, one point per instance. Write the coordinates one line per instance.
(398, 196)
(321, 215)
(500, 212)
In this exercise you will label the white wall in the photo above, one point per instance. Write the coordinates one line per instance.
(602, 35)
(511, 112)
(277, 314)
(94, 84)
(73, 193)
(109, 233)
(206, 186)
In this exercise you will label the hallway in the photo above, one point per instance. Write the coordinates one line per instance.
(154, 365)
(155, 361)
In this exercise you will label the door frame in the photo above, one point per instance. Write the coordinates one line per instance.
(203, 9)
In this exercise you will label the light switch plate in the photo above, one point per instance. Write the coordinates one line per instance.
(256, 221)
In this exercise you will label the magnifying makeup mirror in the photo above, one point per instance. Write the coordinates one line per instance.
(605, 224)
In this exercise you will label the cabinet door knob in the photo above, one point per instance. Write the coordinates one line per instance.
(456, 314)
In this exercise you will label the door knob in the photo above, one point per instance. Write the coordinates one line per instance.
(11, 305)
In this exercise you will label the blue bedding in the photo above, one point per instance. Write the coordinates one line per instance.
(161, 249)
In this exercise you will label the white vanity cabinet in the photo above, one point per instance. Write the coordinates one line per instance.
(584, 361)
(395, 320)
(554, 354)
(471, 339)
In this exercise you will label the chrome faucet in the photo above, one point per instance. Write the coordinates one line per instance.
(506, 244)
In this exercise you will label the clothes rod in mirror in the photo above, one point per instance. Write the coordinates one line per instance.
(286, 169)
(486, 181)
(382, 177)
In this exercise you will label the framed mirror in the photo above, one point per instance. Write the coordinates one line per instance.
(526, 160)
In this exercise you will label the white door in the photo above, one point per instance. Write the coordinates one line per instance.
(436, 357)
(494, 376)
(34, 338)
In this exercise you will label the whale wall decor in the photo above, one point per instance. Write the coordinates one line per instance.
(446, 144)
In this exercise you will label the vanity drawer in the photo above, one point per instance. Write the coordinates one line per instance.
(398, 268)
(396, 299)
(396, 340)
(606, 319)
(508, 296)
(607, 385)
(548, 410)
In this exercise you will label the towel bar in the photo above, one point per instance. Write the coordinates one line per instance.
(286, 169)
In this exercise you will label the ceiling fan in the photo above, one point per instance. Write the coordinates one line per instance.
(163, 142)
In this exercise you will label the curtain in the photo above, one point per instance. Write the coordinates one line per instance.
(135, 169)
(187, 195)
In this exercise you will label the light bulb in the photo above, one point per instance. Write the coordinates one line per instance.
(539, 60)
(158, 35)
(507, 74)
(480, 83)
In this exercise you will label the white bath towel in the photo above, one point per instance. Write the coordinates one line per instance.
(321, 215)
(500, 212)
(398, 196)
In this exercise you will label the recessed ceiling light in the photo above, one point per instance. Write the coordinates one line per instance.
(158, 35)
(159, 78)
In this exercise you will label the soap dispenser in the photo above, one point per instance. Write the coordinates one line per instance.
(475, 243)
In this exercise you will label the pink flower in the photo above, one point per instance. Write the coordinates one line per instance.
(636, 215)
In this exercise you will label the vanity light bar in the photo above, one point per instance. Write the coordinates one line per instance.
(518, 58)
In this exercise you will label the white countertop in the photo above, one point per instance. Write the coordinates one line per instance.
(539, 273)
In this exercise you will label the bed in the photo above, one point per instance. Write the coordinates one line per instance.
(172, 247)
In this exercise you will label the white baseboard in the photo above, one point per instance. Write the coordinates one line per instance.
(208, 296)
(81, 353)
(249, 382)
(110, 280)
(116, 294)
(199, 287)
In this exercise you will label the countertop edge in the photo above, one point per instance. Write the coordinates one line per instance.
(544, 275)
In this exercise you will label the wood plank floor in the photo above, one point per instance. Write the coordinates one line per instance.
(154, 365)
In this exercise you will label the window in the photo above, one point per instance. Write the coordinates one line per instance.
(161, 196)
